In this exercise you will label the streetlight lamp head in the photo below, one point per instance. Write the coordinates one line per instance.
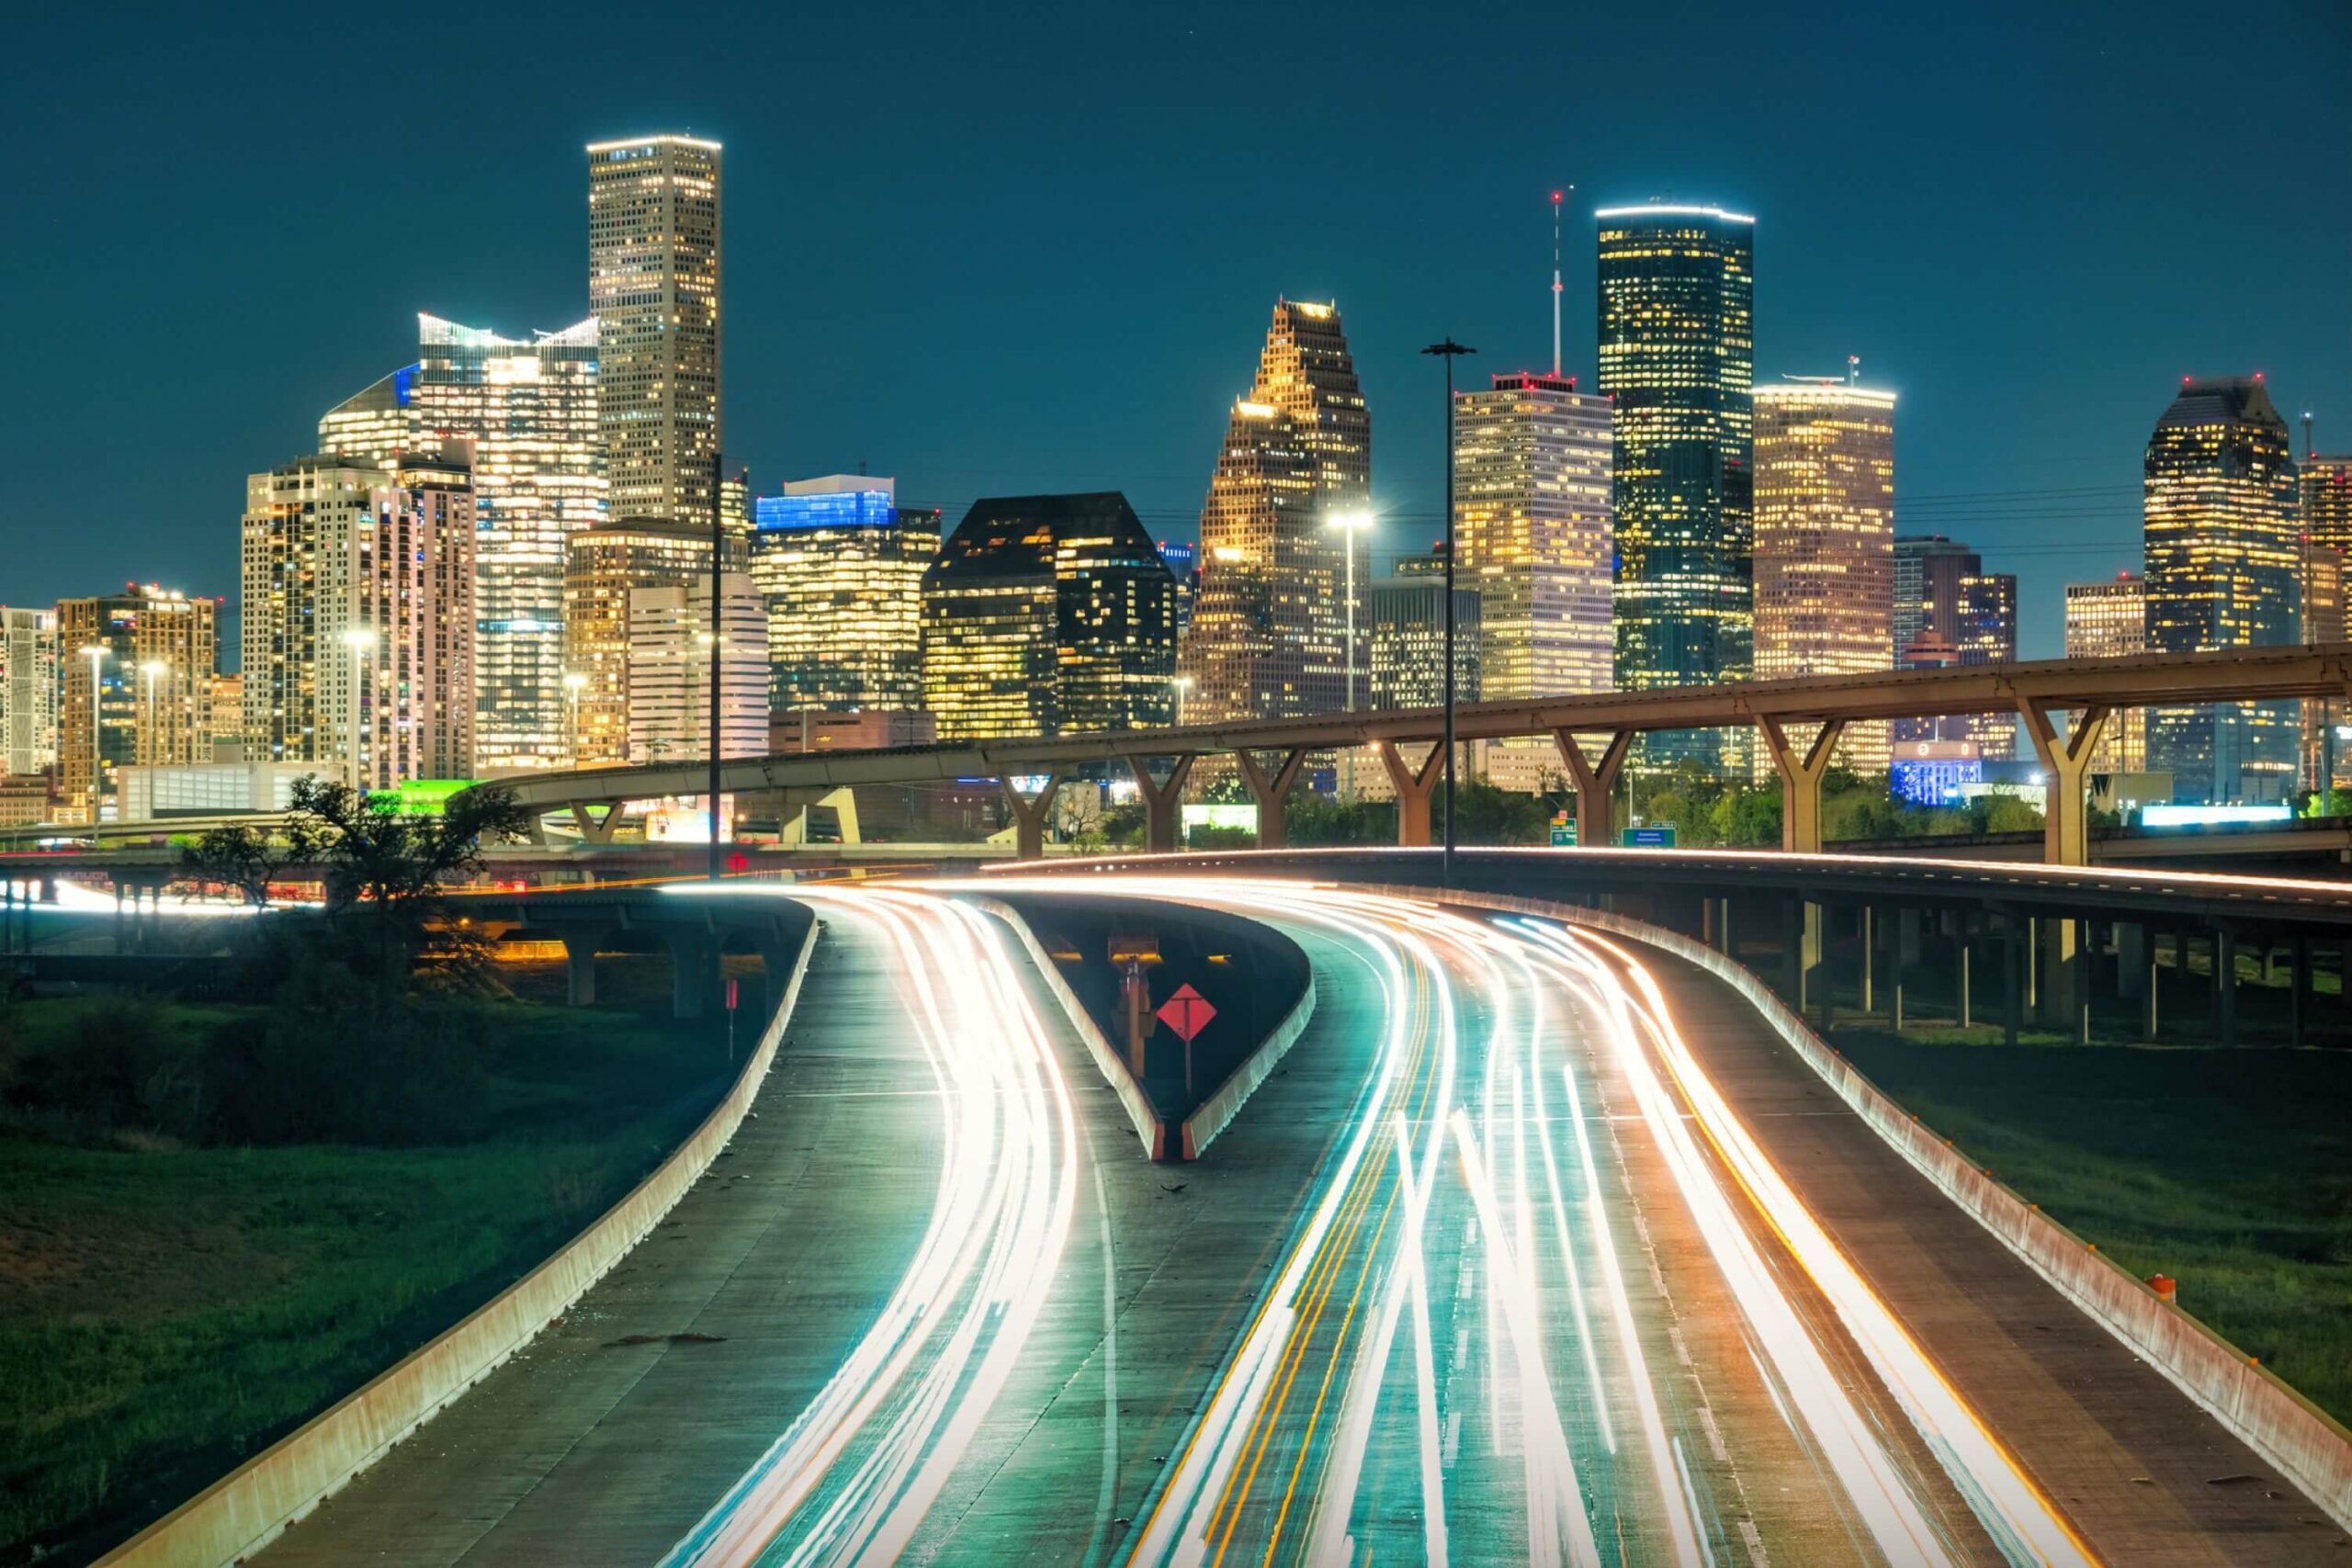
(1351, 519)
(94, 651)
(358, 637)
(154, 667)
(574, 680)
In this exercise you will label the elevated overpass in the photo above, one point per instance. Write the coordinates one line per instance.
(2064, 703)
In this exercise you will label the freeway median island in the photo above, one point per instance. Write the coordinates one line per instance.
(2282, 1429)
(1260, 981)
(255, 1503)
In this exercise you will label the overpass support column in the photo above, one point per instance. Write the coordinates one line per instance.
(1029, 816)
(2299, 976)
(694, 965)
(596, 829)
(1161, 800)
(1413, 789)
(2225, 986)
(1594, 781)
(579, 965)
(1273, 791)
(2063, 994)
(1801, 782)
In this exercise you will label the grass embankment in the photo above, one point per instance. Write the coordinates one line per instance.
(2230, 1171)
(166, 1310)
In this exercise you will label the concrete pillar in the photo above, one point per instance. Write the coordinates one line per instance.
(2299, 964)
(1161, 801)
(693, 963)
(1967, 1010)
(1792, 969)
(2149, 974)
(596, 829)
(1818, 979)
(1800, 781)
(1030, 816)
(1594, 782)
(2062, 984)
(579, 967)
(1273, 793)
(2225, 986)
(1868, 921)
(2133, 955)
(2065, 765)
(1414, 786)
(2012, 980)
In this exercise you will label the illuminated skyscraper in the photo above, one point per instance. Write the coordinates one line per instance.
(1825, 540)
(1928, 569)
(1269, 624)
(2222, 541)
(2108, 619)
(2327, 501)
(1949, 610)
(1532, 510)
(653, 283)
(1677, 359)
(1048, 615)
(529, 411)
(1407, 639)
(143, 691)
(29, 676)
(840, 564)
(669, 670)
(601, 568)
(357, 617)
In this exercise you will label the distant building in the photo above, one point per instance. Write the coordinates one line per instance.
(602, 567)
(2319, 588)
(225, 703)
(1269, 624)
(653, 284)
(1531, 520)
(357, 623)
(1408, 642)
(1048, 615)
(132, 670)
(530, 409)
(29, 677)
(2327, 501)
(208, 789)
(1184, 558)
(840, 567)
(2223, 540)
(812, 729)
(1934, 772)
(1825, 540)
(1677, 361)
(670, 671)
(2107, 620)
(1949, 610)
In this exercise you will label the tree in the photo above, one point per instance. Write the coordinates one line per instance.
(388, 871)
(246, 860)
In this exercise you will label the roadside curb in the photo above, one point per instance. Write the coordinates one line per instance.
(255, 1503)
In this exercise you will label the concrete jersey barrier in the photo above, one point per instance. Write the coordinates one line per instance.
(254, 1504)
(1142, 1114)
(1217, 1112)
(2309, 1447)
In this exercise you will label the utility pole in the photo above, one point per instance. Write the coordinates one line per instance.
(1449, 351)
(718, 556)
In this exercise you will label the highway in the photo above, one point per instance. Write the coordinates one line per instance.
(1535, 1250)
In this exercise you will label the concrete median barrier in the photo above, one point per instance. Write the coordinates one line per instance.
(250, 1507)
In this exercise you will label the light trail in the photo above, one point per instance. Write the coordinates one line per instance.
(854, 1475)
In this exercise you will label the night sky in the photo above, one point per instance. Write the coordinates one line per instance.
(996, 250)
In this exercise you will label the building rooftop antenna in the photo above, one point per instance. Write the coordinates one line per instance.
(1558, 197)
(1853, 368)
(2307, 436)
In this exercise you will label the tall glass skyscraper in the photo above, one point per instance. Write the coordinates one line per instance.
(653, 254)
(1531, 521)
(28, 689)
(839, 565)
(2221, 536)
(1678, 359)
(530, 409)
(1269, 627)
(2109, 620)
(603, 566)
(1048, 615)
(1825, 539)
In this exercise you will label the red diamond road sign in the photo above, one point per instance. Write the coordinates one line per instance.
(1187, 1013)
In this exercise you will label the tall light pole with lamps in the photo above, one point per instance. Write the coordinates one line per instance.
(1182, 683)
(359, 640)
(97, 653)
(1449, 351)
(1350, 524)
(149, 729)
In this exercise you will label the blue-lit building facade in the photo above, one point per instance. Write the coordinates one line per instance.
(1677, 361)
(838, 565)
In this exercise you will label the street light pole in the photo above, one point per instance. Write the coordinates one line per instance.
(1348, 522)
(359, 639)
(152, 668)
(1449, 351)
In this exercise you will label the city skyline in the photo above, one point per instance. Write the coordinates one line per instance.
(818, 347)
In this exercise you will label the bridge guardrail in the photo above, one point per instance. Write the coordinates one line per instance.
(255, 1503)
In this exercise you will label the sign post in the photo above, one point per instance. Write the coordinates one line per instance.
(1187, 1013)
(733, 991)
